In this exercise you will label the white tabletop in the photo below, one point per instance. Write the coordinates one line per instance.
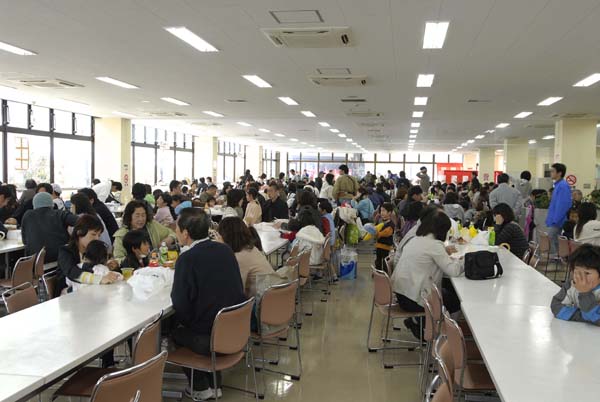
(14, 387)
(7, 246)
(216, 211)
(271, 240)
(532, 356)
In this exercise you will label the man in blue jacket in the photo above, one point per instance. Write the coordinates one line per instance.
(559, 205)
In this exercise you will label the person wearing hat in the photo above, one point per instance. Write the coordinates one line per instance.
(56, 191)
(44, 226)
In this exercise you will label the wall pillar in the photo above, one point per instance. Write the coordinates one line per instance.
(575, 146)
(516, 156)
(487, 159)
(113, 139)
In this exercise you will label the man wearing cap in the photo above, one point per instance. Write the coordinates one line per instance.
(56, 191)
(44, 226)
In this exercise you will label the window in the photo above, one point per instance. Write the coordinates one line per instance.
(63, 122)
(184, 165)
(166, 164)
(28, 158)
(17, 114)
(83, 125)
(72, 163)
(412, 157)
(144, 165)
(179, 139)
(397, 156)
(40, 118)
(426, 156)
(456, 158)
(441, 158)
(189, 141)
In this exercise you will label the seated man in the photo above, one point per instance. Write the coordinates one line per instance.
(207, 279)
(275, 207)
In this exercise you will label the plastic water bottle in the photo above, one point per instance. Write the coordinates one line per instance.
(164, 253)
(492, 238)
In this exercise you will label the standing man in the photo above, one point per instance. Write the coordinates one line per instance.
(424, 179)
(559, 205)
(475, 181)
(345, 187)
(403, 181)
(507, 195)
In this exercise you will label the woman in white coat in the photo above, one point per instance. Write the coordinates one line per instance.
(587, 229)
(327, 188)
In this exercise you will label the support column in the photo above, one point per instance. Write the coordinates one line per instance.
(113, 139)
(205, 156)
(487, 159)
(575, 146)
(516, 156)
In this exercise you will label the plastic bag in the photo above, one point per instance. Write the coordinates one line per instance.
(352, 234)
(348, 263)
(147, 282)
(482, 238)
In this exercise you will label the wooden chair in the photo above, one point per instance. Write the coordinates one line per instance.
(564, 251)
(20, 297)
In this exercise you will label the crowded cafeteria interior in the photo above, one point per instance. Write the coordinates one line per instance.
(285, 200)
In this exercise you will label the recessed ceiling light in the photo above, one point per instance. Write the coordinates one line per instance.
(522, 115)
(264, 130)
(334, 130)
(118, 83)
(459, 147)
(502, 125)
(548, 137)
(175, 101)
(355, 144)
(324, 124)
(349, 140)
(490, 131)
(279, 135)
(464, 144)
(414, 131)
(145, 101)
(470, 141)
(412, 136)
(417, 114)
(311, 145)
(16, 50)
(412, 141)
(415, 125)
(532, 141)
(480, 137)
(308, 113)
(435, 34)
(586, 82)
(213, 114)
(303, 143)
(123, 114)
(454, 150)
(256, 80)
(549, 101)
(288, 101)
(425, 80)
(294, 139)
(342, 135)
(192, 39)
(243, 123)
(420, 100)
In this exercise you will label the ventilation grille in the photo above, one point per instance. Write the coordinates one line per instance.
(570, 116)
(542, 126)
(310, 37)
(164, 114)
(333, 71)
(478, 101)
(236, 100)
(365, 113)
(42, 83)
(338, 80)
(297, 16)
(206, 124)
(370, 124)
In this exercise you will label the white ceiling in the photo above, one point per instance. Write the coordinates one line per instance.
(513, 53)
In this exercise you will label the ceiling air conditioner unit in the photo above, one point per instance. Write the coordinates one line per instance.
(54, 83)
(338, 80)
(163, 114)
(320, 37)
(365, 113)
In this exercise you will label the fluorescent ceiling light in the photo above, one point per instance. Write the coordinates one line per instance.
(412, 136)
(417, 114)
(123, 114)
(490, 131)
(303, 143)
(522, 115)
(192, 39)
(549, 101)
(256, 80)
(349, 139)
(145, 101)
(425, 80)
(175, 101)
(412, 141)
(500, 150)
(279, 135)
(243, 123)
(454, 150)
(334, 130)
(15, 50)
(118, 83)
(503, 125)
(420, 100)
(532, 141)
(470, 141)
(464, 144)
(311, 145)
(435, 34)
(355, 144)
(342, 135)
(324, 124)
(587, 81)
(415, 131)
(294, 139)
(264, 130)
(548, 137)
(213, 114)
(459, 147)
(415, 125)
(308, 113)
(288, 101)
(480, 137)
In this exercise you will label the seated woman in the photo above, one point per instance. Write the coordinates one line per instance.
(135, 217)
(165, 214)
(588, 228)
(307, 213)
(80, 204)
(508, 231)
(252, 261)
(423, 262)
(452, 208)
(235, 199)
(364, 205)
(253, 210)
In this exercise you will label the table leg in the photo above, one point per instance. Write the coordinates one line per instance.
(7, 268)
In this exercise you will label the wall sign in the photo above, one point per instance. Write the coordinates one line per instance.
(571, 180)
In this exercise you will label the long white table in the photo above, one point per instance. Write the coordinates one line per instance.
(14, 387)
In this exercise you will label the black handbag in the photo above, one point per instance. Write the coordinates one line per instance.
(482, 265)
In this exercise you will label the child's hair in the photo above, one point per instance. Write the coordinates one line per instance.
(586, 256)
(388, 206)
(134, 239)
(210, 199)
(325, 205)
(96, 253)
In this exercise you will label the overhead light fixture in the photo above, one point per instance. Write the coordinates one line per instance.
(342, 135)
(355, 144)
(522, 115)
(490, 131)
(549, 101)
(412, 136)
(435, 34)
(279, 135)
(123, 114)
(548, 137)
(311, 145)
(175, 101)
(115, 82)
(324, 124)
(294, 139)
(420, 100)
(425, 80)
(349, 140)
(145, 101)
(480, 137)
(502, 125)
(417, 114)
(412, 141)
(334, 130)
(459, 147)
(256, 80)
(500, 150)
(414, 131)
(464, 144)
(303, 143)
(16, 50)
(308, 113)
(288, 101)
(588, 81)
(454, 150)
(415, 125)
(532, 142)
(243, 123)
(264, 130)
(213, 114)
(470, 141)
(191, 39)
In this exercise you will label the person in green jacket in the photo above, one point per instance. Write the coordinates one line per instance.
(135, 217)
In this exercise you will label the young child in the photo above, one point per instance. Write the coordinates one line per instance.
(570, 224)
(137, 246)
(384, 235)
(94, 261)
(579, 298)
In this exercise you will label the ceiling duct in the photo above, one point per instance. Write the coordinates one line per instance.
(206, 124)
(370, 124)
(347, 80)
(326, 37)
(570, 116)
(363, 113)
(47, 83)
(164, 114)
(541, 125)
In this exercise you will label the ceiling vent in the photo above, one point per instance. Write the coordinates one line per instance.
(541, 126)
(206, 124)
(370, 124)
(363, 113)
(54, 83)
(236, 100)
(165, 114)
(478, 101)
(570, 116)
(353, 100)
(297, 16)
(346, 80)
(333, 71)
(309, 37)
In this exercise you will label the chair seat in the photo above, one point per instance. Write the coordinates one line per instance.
(397, 312)
(276, 334)
(186, 358)
(82, 383)
(477, 378)
(303, 281)
(6, 283)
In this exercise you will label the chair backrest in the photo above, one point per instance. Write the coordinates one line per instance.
(143, 381)
(327, 248)
(533, 247)
(437, 303)
(146, 344)
(278, 304)
(444, 392)
(505, 245)
(388, 264)
(573, 246)
(304, 264)
(526, 256)
(50, 279)
(544, 242)
(231, 328)
(23, 271)
(534, 261)
(563, 247)
(456, 343)
(39, 264)
(430, 331)
(383, 288)
(20, 297)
